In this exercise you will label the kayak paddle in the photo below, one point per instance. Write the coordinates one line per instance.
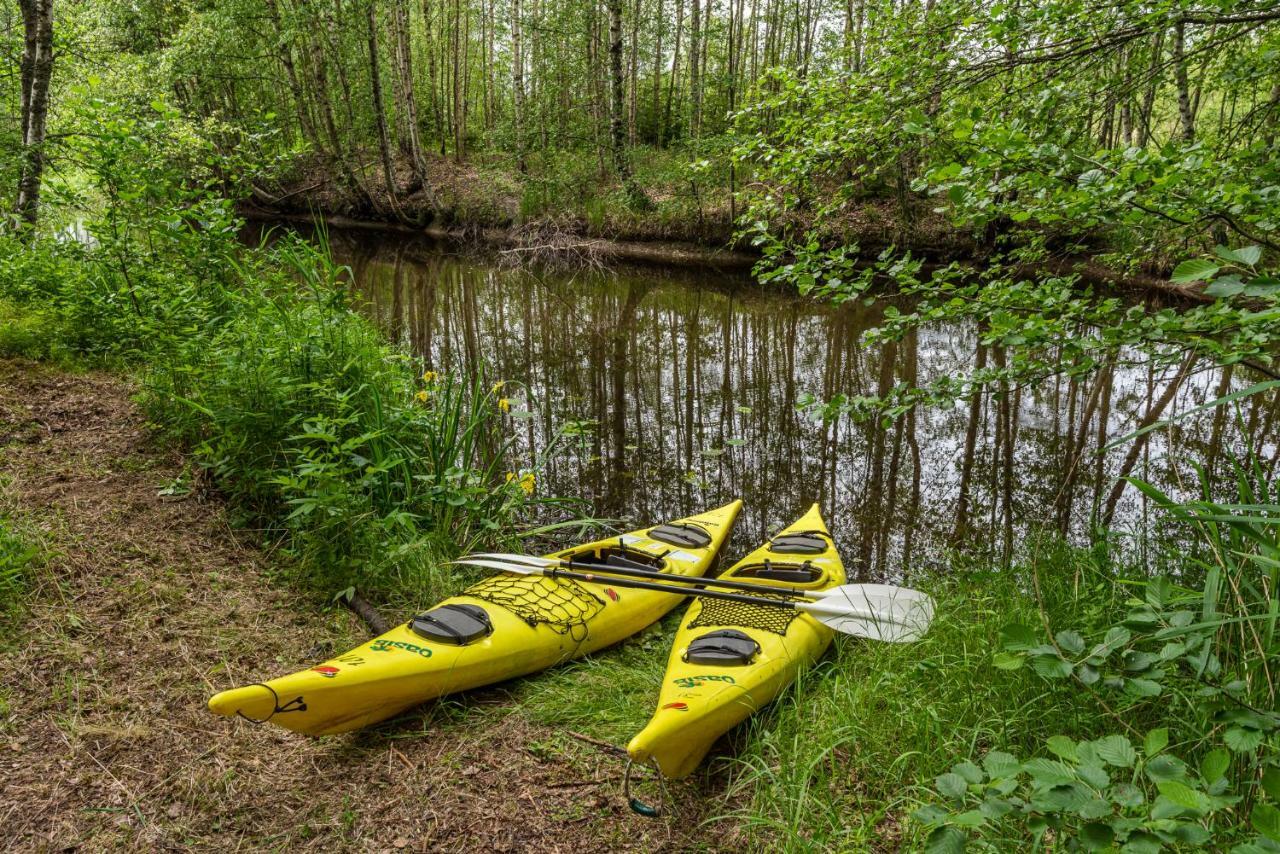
(877, 611)
(636, 572)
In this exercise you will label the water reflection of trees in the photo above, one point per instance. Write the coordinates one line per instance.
(684, 393)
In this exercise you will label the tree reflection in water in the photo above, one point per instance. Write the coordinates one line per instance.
(681, 392)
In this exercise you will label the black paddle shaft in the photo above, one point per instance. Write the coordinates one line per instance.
(626, 583)
(683, 579)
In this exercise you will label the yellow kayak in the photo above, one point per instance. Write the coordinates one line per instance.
(502, 627)
(730, 659)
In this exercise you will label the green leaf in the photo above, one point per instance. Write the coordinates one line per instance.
(1116, 750)
(1142, 842)
(1062, 747)
(1166, 767)
(1155, 741)
(1008, 661)
(1142, 688)
(946, 840)
(1242, 740)
(970, 772)
(1096, 836)
(1019, 637)
(1227, 286)
(1215, 765)
(1095, 776)
(1266, 820)
(1271, 782)
(1194, 270)
(1051, 666)
(951, 785)
(1183, 795)
(999, 764)
(970, 818)
(1248, 255)
(1048, 772)
(1262, 286)
(1070, 642)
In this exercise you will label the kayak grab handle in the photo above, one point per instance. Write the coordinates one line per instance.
(638, 806)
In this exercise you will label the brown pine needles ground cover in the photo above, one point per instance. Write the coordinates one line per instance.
(147, 603)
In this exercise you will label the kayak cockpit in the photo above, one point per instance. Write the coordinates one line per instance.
(787, 573)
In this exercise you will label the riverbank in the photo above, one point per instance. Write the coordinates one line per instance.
(580, 217)
(149, 602)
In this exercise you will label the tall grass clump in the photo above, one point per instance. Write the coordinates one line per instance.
(312, 423)
(17, 558)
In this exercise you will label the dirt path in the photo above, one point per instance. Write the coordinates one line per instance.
(150, 603)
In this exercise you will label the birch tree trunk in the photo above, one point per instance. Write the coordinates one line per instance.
(1180, 80)
(695, 69)
(379, 112)
(36, 72)
(517, 83)
(407, 101)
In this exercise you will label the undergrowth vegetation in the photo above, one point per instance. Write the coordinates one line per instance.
(370, 466)
(18, 555)
(1071, 703)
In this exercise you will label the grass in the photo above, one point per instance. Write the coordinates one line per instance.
(18, 558)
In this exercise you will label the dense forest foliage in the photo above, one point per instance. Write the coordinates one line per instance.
(1131, 125)
(1089, 187)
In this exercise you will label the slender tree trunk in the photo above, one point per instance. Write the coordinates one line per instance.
(285, 52)
(408, 101)
(1185, 114)
(379, 110)
(633, 76)
(617, 133)
(36, 73)
(517, 82)
(1153, 83)
(655, 110)
(695, 70)
(459, 108)
(665, 129)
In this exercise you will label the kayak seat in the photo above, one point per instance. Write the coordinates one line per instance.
(727, 648)
(683, 534)
(621, 556)
(800, 543)
(453, 624)
(790, 573)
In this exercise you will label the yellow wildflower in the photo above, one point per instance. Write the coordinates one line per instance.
(422, 396)
(430, 377)
(511, 476)
(497, 387)
(527, 482)
(504, 404)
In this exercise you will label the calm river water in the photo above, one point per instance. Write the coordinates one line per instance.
(668, 392)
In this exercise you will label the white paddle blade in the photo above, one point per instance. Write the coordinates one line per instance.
(517, 568)
(877, 611)
(531, 560)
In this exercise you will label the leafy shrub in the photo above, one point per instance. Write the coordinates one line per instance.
(1195, 653)
(308, 419)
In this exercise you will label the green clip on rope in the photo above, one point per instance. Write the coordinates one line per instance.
(638, 806)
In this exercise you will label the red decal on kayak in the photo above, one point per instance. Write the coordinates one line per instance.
(327, 671)
(612, 595)
(679, 707)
